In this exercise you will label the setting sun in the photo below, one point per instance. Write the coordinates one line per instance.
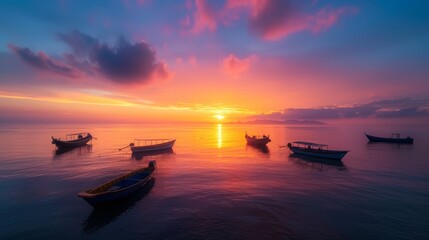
(219, 116)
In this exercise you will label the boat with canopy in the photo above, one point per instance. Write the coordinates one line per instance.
(394, 138)
(258, 141)
(316, 150)
(72, 140)
(150, 145)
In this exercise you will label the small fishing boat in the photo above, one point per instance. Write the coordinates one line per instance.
(149, 145)
(257, 140)
(72, 140)
(119, 187)
(394, 138)
(316, 150)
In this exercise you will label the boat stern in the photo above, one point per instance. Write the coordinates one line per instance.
(152, 164)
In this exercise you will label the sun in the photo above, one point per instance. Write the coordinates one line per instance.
(219, 116)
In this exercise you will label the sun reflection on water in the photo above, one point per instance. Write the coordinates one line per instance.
(219, 135)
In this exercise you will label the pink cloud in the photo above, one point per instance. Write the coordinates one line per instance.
(268, 19)
(232, 4)
(272, 20)
(235, 66)
(204, 17)
(193, 60)
(325, 18)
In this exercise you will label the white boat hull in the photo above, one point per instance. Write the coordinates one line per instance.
(154, 147)
(327, 154)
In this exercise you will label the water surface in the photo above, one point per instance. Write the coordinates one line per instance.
(213, 186)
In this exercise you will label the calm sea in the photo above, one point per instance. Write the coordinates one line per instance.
(213, 186)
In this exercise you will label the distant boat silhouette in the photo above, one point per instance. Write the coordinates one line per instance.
(395, 138)
(257, 141)
(316, 150)
(72, 140)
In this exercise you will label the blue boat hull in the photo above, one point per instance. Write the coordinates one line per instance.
(118, 188)
(111, 197)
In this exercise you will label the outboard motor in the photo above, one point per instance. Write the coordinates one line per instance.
(152, 164)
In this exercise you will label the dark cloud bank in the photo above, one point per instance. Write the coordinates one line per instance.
(123, 63)
(394, 108)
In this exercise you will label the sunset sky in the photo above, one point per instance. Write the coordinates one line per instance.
(135, 61)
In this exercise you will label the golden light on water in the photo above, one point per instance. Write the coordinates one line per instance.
(219, 135)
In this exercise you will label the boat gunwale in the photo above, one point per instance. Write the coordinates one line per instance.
(310, 144)
(103, 188)
(73, 140)
(165, 141)
(323, 151)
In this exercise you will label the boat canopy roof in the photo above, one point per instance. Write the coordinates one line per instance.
(311, 144)
(73, 134)
(153, 139)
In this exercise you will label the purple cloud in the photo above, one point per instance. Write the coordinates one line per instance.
(43, 62)
(275, 19)
(80, 43)
(127, 62)
(267, 19)
(394, 108)
(124, 63)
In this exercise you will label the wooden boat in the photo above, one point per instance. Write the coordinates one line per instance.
(395, 138)
(316, 150)
(72, 140)
(119, 187)
(149, 145)
(104, 214)
(257, 140)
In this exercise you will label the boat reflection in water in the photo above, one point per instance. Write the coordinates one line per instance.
(141, 155)
(77, 151)
(105, 214)
(316, 163)
(259, 148)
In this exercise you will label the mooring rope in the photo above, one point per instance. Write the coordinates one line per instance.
(120, 149)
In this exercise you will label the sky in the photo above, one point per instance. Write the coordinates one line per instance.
(136, 61)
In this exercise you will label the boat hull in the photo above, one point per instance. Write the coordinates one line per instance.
(152, 148)
(111, 197)
(118, 188)
(326, 154)
(259, 142)
(71, 144)
(407, 140)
